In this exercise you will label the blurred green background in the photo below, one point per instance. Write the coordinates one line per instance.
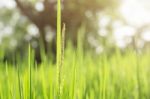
(102, 25)
(106, 55)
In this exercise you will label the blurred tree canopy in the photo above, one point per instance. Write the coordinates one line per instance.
(42, 14)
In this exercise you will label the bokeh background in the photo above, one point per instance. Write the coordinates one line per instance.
(103, 25)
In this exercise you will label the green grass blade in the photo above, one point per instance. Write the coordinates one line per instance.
(30, 71)
(59, 54)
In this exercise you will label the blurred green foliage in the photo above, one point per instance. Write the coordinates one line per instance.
(42, 15)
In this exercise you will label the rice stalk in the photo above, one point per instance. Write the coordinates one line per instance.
(59, 46)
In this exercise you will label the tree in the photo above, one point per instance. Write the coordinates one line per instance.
(74, 14)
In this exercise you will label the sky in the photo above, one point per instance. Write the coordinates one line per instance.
(136, 12)
(7, 3)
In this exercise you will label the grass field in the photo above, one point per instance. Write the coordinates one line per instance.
(82, 77)
(77, 75)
